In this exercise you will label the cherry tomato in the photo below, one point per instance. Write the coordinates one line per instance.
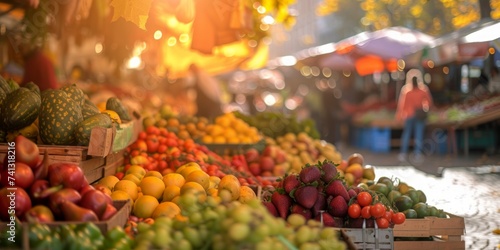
(377, 210)
(365, 212)
(354, 211)
(382, 223)
(398, 218)
(364, 198)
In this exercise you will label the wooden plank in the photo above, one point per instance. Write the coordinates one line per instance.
(431, 226)
(434, 245)
(79, 151)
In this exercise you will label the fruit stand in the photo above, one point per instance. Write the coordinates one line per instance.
(293, 190)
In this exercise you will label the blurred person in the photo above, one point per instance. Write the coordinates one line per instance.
(38, 68)
(208, 93)
(414, 96)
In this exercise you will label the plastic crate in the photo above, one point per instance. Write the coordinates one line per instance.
(479, 138)
(380, 140)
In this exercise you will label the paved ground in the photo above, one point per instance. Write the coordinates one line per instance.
(465, 186)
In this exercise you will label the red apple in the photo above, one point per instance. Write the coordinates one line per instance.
(152, 143)
(13, 199)
(269, 151)
(26, 151)
(94, 200)
(108, 212)
(266, 163)
(39, 214)
(280, 157)
(252, 155)
(254, 168)
(21, 176)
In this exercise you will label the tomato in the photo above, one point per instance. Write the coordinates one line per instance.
(388, 215)
(365, 212)
(377, 210)
(142, 135)
(382, 223)
(354, 211)
(398, 218)
(364, 198)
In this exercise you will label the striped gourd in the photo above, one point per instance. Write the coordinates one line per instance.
(116, 105)
(58, 118)
(19, 109)
(89, 109)
(74, 93)
(84, 128)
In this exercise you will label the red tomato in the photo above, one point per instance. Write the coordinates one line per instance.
(365, 212)
(388, 215)
(377, 210)
(354, 211)
(382, 223)
(152, 130)
(364, 198)
(142, 135)
(398, 218)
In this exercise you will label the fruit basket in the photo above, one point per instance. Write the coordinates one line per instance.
(104, 141)
(369, 238)
(430, 233)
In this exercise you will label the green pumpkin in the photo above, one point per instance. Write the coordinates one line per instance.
(84, 128)
(74, 93)
(19, 109)
(116, 105)
(59, 116)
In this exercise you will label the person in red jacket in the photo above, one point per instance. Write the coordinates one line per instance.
(39, 69)
(413, 96)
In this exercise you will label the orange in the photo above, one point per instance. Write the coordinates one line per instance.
(167, 209)
(171, 192)
(119, 195)
(129, 187)
(200, 177)
(192, 186)
(173, 122)
(137, 170)
(186, 171)
(232, 184)
(133, 178)
(152, 185)
(219, 139)
(154, 173)
(109, 181)
(173, 179)
(144, 206)
(208, 139)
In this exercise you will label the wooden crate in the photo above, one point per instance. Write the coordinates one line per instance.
(124, 207)
(431, 233)
(369, 238)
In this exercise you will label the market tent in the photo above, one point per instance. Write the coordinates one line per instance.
(368, 52)
(463, 45)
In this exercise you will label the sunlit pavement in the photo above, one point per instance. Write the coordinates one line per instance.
(465, 192)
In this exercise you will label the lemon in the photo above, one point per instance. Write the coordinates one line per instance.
(187, 170)
(174, 179)
(144, 206)
(152, 185)
(109, 181)
(168, 209)
(246, 194)
(129, 187)
(192, 186)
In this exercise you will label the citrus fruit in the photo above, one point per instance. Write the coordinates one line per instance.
(187, 170)
(171, 192)
(120, 195)
(144, 206)
(154, 173)
(403, 202)
(393, 195)
(137, 170)
(129, 187)
(380, 187)
(403, 188)
(109, 181)
(200, 177)
(152, 185)
(232, 184)
(133, 178)
(214, 181)
(191, 164)
(188, 186)
(246, 194)
(413, 194)
(421, 196)
(174, 179)
(167, 209)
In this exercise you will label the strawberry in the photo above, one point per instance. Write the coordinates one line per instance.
(282, 202)
(306, 196)
(336, 188)
(290, 183)
(271, 208)
(319, 205)
(298, 209)
(329, 171)
(351, 193)
(310, 174)
(330, 221)
(338, 207)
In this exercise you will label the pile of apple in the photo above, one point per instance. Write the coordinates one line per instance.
(46, 192)
(272, 161)
(301, 149)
